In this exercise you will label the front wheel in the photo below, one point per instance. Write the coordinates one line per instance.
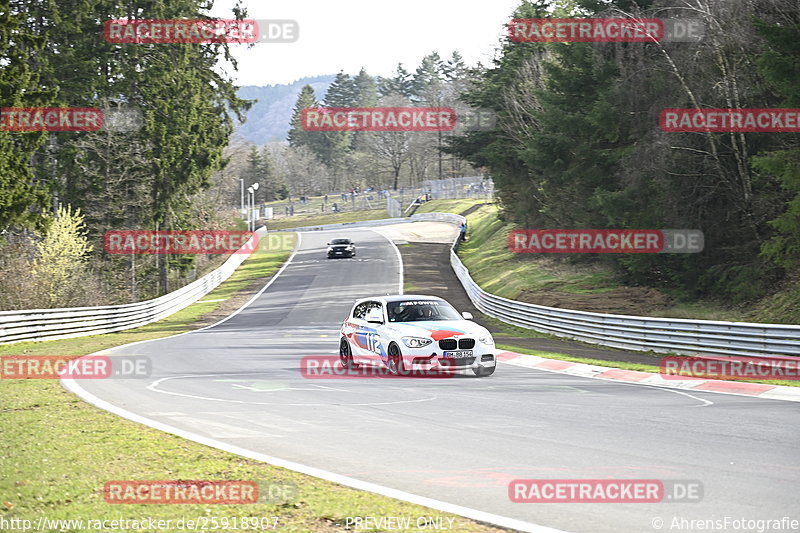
(484, 371)
(395, 360)
(345, 354)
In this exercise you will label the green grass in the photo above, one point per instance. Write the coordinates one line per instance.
(57, 452)
(299, 221)
(449, 206)
(783, 307)
(499, 271)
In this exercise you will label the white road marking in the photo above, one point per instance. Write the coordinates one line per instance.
(154, 388)
(466, 512)
(219, 430)
(399, 259)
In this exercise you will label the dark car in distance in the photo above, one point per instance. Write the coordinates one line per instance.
(341, 248)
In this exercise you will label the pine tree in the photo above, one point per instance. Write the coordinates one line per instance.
(366, 90)
(455, 69)
(342, 92)
(428, 77)
(298, 136)
(400, 84)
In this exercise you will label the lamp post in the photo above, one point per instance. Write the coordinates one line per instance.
(249, 210)
(251, 224)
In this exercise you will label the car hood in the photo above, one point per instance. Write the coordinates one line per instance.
(437, 329)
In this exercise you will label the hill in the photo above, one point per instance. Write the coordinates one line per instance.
(268, 119)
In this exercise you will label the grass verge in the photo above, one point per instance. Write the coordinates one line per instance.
(499, 271)
(456, 206)
(299, 221)
(57, 452)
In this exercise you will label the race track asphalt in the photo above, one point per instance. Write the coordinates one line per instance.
(459, 440)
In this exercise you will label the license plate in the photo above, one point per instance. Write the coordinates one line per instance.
(460, 354)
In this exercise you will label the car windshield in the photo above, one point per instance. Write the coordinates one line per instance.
(340, 241)
(418, 310)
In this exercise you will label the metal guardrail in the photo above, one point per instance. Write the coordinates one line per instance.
(51, 324)
(661, 335)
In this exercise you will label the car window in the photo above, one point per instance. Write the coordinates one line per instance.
(374, 305)
(360, 310)
(418, 310)
(340, 241)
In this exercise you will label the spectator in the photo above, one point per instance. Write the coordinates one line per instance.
(463, 232)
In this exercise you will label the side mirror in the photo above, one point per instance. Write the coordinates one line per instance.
(374, 316)
(467, 315)
(329, 244)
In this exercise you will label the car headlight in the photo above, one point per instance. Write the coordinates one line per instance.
(330, 248)
(487, 340)
(416, 342)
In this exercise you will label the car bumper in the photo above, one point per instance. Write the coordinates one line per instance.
(340, 254)
(427, 359)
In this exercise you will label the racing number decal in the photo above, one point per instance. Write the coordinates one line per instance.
(374, 343)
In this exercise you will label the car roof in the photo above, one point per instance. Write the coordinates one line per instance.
(401, 298)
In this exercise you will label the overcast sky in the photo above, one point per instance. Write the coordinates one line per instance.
(348, 34)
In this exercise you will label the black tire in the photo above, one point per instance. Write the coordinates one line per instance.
(396, 360)
(345, 354)
(484, 371)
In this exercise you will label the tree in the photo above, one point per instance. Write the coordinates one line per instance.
(428, 76)
(342, 92)
(400, 84)
(366, 90)
(455, 69)
(23, 83)
(60, 268)
(780, 66)
(390, 147)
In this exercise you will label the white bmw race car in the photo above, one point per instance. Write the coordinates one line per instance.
(411, 332)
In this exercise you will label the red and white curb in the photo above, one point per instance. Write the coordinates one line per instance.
(741, 388)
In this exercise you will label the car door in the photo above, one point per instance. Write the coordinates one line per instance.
(357, 326)
(374, 342)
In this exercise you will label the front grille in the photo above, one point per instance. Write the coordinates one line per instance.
(448, 344)
(454, 362)
(466, 344)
